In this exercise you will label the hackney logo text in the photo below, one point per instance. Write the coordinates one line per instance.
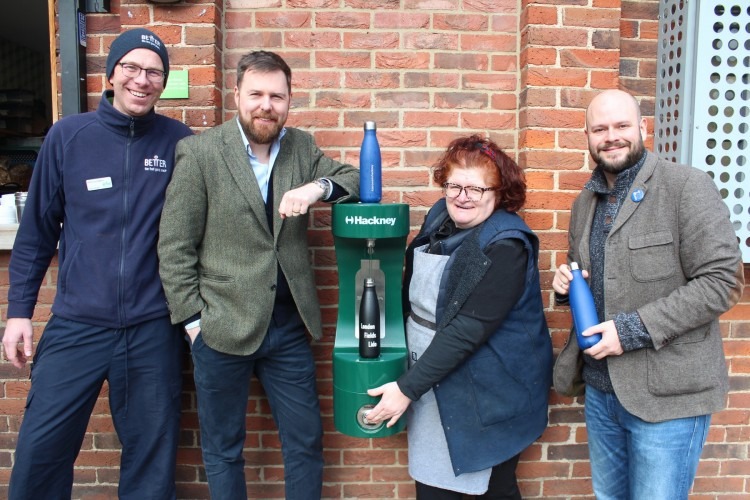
(370, 221)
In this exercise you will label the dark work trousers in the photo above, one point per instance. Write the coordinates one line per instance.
(502, 485)
(142, 365)
(285, 367)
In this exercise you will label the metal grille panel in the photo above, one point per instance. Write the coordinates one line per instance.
(703, 96)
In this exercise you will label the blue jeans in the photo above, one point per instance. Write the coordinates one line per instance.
(635, 459)
(142, 365)
(284, 365)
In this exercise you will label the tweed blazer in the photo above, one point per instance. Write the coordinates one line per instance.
(674, 258)
(218, 256)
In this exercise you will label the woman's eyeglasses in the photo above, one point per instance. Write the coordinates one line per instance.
(473, 193)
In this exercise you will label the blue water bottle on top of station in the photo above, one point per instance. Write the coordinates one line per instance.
(582, 308)
(370, 184)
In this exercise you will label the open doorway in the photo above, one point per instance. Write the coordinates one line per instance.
(26, 88)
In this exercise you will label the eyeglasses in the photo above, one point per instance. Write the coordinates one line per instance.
(132, 71)
(473, 193)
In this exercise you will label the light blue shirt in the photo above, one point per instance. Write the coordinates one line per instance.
(262, 171)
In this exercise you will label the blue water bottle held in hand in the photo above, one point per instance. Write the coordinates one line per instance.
(370, 186)
(582, 308)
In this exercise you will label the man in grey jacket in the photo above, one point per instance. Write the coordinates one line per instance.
(663, 264)
(236, 270)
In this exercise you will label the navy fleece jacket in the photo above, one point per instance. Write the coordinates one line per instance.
(97, 190)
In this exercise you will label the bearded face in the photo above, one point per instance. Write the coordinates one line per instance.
(261, 127)
(616, 156)
(263, 101)
(615, 131)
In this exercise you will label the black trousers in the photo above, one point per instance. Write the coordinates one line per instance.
(503, 485)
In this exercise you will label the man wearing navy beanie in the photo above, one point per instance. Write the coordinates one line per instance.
(138, 38)
(95, 200)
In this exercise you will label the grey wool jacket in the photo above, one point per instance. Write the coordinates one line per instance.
(672, 257)
(218, 257)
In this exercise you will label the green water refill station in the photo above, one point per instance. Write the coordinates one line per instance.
(370, 240)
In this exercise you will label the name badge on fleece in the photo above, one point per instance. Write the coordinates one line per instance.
(100, 183)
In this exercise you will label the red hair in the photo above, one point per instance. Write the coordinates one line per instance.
(502, 172)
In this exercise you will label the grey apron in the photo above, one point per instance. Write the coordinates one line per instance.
(429, 462)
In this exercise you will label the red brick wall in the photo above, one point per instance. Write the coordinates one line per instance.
(426, 71)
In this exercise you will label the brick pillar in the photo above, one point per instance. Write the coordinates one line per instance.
(569, 50)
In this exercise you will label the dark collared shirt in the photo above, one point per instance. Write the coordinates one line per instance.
(630, 329)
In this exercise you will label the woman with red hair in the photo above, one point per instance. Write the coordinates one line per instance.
(480, 353)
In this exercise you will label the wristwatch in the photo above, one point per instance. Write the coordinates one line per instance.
(326, 186)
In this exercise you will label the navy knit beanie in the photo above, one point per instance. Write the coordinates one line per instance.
(138, 38)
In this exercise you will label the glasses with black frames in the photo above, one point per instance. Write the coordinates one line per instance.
(132, 71)
(473, 193)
